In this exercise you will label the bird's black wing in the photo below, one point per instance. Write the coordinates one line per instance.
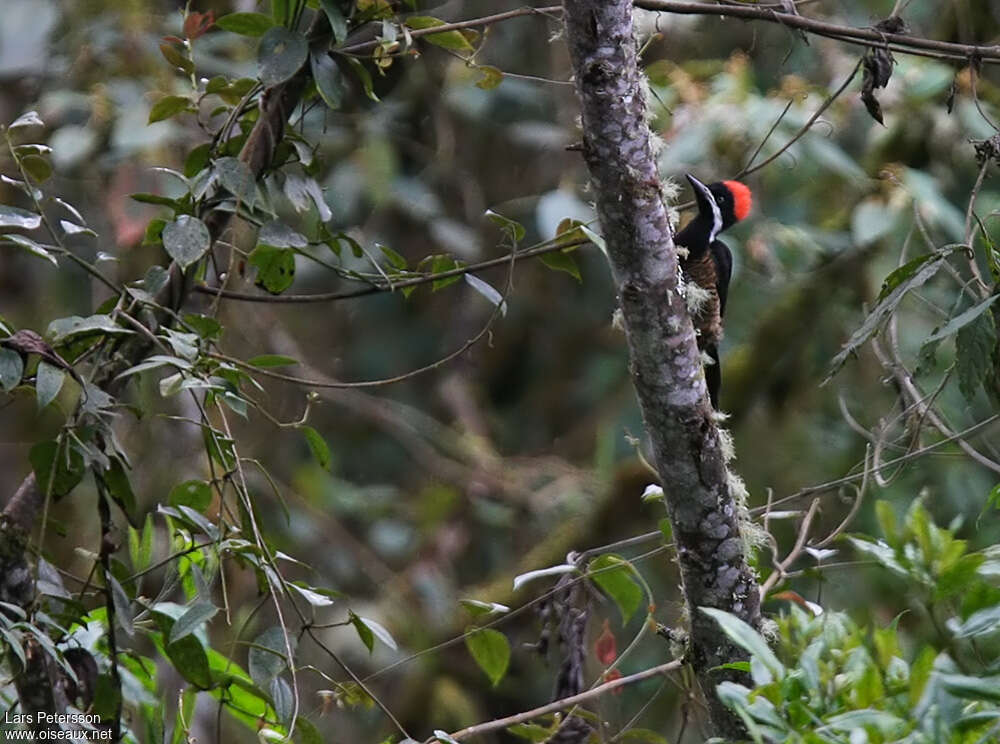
(723, 259)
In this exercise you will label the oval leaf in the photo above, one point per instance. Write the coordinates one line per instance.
(280, 55)
(491, 650)
(186, 239)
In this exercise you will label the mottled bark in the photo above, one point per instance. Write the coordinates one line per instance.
(665, 363)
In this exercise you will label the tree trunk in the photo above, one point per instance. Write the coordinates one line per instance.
(665, 361)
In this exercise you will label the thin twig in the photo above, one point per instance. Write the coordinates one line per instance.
(547, 247)
(805, 127)
(781, 568)
(902, 43)
(567, 702)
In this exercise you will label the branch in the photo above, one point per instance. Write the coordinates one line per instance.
(903, 43)
(367, 46)
(567, 702)
(402, 284)
(666, 365)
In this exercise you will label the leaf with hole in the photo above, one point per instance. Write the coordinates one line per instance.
(275, 267)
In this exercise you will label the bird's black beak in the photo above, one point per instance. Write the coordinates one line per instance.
(702, 195)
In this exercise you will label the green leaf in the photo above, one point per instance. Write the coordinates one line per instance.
(318, 446)
(453, 40)
(186, 240)
(748, 639)
(62, 329)
(205, 326)
(196, 494)
(37, 167)
(531, 731)
(277, 234)
(189, 659)
(902, 280)
(395, 259)
(199, 613)
(975, 352)
(123, 607)
(561, 261)
(280, 55)
(48, 382)
(441, 263)
(165, 201)
(169, 106)
(981, 622)
(962, 320)
(853, 720)
(245, 24)
(513, 228)
(328, 78)
(443, 736)
(11, 369)
(972, 688)
(197, 159)
(491, 77)
(65, 471)
(176, 58)
(19, 218)
(365, 77)
(140, 547)
(236, 178)
(284, 701)
(268, 655)
(336, 17)
(491, 651)
(614, 576)
(275, 267)
(34, 248)
(368, 630)
(272, 360)
(119, 486)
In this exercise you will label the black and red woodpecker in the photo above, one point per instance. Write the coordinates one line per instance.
(709, 265)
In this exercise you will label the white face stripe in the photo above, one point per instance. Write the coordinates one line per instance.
(716, 212)
(716, 217)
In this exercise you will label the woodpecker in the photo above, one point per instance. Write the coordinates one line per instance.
(709, 265)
